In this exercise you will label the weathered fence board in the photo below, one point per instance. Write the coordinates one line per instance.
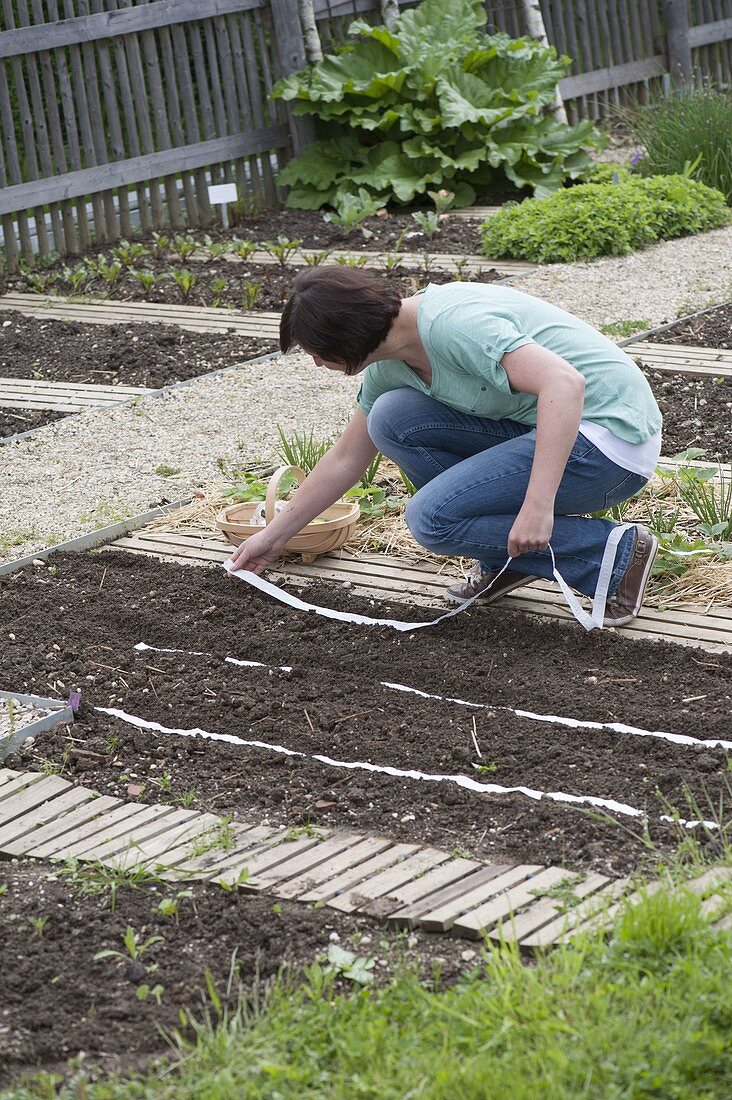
(121, 112)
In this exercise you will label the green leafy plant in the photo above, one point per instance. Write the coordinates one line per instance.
(111, 272)
(135, 948)
(302, 450)
(128, 253)
(314, 259)
(183, 246)
(145, 278)
(144, 991)
(608, 219)
(428, 221)
(217, 248)
(357, 968)
(281, 249)
(432, 104)
(247, 487)
(624, 328)
(693, 125)
(250, 294)
(185, 280)
(219, 837)
(218, 286)
(243, 248)
(374, 502)
(352, 209)
(160, 244)
(78, 278)
(708, 492)
(352, 260)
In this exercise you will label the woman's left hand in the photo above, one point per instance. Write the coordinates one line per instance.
(532, 530)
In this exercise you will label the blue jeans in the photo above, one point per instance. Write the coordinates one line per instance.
(472, 473)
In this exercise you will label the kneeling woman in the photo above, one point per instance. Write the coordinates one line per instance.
(512, 417)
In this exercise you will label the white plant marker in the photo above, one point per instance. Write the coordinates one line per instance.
(220, 194)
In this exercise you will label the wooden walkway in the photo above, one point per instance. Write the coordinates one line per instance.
(388, 578)
(413, 261)
(110, 312)
(673, 358)
(405, 885)
(33, 393)
(679, 359)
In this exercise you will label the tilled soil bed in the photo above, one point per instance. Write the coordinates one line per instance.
(75, 625)
(697, 412)
(58, 1002)
(146, 355)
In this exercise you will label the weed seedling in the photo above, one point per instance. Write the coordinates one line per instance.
(187, 798)
(429, 222)
(485, 769)
(134, 948)
(352, 260)
(169, 906)
(314, 259)
(219, 837)
(38, 924)
(166, 471)
(144, 991)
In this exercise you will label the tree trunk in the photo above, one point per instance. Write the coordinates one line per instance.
(389, 12)
(311, 38)
(535, 29)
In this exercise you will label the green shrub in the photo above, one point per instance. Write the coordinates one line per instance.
(606, 219)
(674, 132)
(432, 103)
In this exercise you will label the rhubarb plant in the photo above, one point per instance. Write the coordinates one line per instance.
(432, 103)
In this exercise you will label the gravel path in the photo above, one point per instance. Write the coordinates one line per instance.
(655, 285)
(90, 470)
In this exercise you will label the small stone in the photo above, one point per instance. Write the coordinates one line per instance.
(12, 637)
(468, 955)
(407, 817)
(334, 937)
(590, 679)
(324, 804)
(38, 561)
(135, 789)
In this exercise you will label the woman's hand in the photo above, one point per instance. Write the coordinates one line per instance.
(257, 552)
(532, 530)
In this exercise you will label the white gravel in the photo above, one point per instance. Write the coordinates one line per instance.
(655, 285)
(92, 469)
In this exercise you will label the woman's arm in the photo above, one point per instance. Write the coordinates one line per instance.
(338, 470)
(560, 390)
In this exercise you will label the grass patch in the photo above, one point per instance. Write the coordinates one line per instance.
(646, 1013)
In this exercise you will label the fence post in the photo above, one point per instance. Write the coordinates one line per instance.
(291, 53)
(678, 45)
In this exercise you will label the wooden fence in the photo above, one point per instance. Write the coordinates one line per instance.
(120, 113)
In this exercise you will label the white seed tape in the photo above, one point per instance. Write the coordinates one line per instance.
(143, 647)
(463, 781)
(574, 723)
(588, 621)
(555, 719)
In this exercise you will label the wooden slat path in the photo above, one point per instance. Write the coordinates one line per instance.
(683, 359)
(671, 358)
(34, 393)
(445, 261)
(387, 577)
(474, 213)
(108, 312)
(407, 885)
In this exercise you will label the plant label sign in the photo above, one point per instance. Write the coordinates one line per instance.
(219, 194)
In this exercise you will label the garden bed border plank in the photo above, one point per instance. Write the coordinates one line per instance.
(444, 893)
(60, 714)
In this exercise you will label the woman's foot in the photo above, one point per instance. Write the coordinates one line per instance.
(627, 600)
(479, 583)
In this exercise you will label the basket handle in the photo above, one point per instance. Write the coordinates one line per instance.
(274, 484)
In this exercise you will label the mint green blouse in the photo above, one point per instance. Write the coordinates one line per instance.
(467, 328)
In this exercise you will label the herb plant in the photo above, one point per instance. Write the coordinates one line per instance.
(605, 219)
(432, 103)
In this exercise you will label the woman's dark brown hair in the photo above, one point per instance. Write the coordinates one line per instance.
(338, 313)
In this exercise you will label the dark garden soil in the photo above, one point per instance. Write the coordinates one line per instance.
(712, 329)
(129, 355)
(13, 421)
(697, 412)
(58, 1002)
(74, 625)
